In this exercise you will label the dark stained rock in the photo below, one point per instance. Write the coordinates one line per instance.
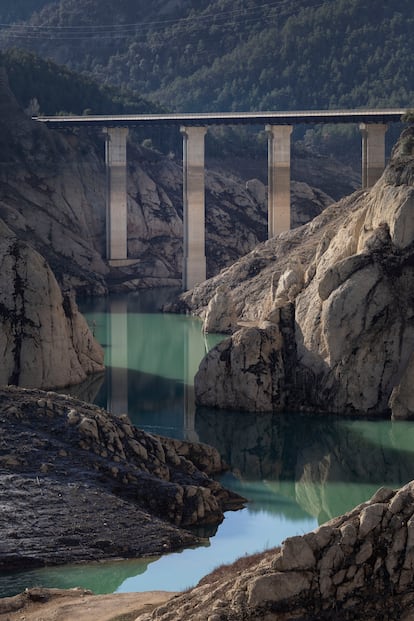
(77, 483)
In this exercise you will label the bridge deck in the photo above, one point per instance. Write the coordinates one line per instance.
(385, 115)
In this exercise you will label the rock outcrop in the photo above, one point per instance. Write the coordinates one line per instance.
(332, 308)
(44, 341)
(79, 484)
(52, 196)
(360, 565)
(220, 314)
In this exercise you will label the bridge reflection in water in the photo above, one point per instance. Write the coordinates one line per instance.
(297, 470)
(151, 362)
(322, 464)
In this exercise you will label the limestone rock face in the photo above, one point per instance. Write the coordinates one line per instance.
(235, 219)
(257, 377)
(44, 340)
(353, 307)
(220, 314)
(52, 193)
(402, 396)
(355, 566)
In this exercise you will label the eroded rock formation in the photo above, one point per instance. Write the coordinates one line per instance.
(79, 484)
(44, 341)
(52, 196)
(360, 565)
(220, 314)
(331, 305)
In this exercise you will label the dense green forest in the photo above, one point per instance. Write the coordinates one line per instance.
(43, 87)
(233, 54)
(16, 10)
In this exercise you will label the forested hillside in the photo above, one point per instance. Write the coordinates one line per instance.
(233, 54)
(43, 87)
(14, 10)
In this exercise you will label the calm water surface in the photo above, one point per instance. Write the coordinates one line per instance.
(297, 471)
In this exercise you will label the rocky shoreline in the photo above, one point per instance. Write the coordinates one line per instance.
(79, 484)
(77, 604)
(357, 566)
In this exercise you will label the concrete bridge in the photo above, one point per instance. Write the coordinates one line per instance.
(373, 125)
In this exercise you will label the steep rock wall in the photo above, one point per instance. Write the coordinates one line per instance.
(348, 279)
(44, 341)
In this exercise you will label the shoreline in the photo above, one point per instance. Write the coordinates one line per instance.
(79, 605)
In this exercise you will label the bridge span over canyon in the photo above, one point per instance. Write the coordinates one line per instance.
(193, 126)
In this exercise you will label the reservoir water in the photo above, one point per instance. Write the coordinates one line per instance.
(296, 470)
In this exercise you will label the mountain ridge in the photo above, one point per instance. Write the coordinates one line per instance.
(216, 54)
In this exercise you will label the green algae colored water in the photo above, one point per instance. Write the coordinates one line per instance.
(297, 470)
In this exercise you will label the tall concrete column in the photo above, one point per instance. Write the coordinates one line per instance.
(278, 200)
(194, 267)
(373, 152)
(116, 202)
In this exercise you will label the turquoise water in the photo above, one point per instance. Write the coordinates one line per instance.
(296, 470)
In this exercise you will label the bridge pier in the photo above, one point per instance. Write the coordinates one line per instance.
(194, 261)
(278, 178)
(373, 152)
(116, 201)
(279, 207)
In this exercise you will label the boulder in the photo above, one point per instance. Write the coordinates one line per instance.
(221, 313)
(256, 380)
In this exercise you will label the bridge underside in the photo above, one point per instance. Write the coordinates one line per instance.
(279, 207)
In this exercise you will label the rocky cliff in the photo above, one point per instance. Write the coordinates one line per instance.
(44, 341)
(357, 566)
(326, 309)
(52, 193)
(49, 193)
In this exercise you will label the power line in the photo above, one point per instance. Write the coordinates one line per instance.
(124, 31)
(153, 23)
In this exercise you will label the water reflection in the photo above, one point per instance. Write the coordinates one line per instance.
(324, 465)
(297, 470)
(103, 577)
(151, 361)
(327, 465)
